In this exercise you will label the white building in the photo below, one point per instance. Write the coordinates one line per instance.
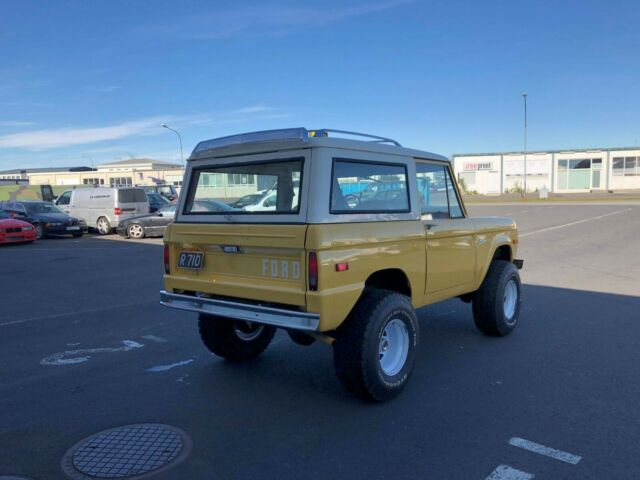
(606, 169)
(135, 171)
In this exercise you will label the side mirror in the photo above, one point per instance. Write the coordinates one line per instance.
(160, 214)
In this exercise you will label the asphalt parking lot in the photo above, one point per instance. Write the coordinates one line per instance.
(86, 347)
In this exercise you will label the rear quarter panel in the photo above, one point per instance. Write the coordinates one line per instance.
(367, 248)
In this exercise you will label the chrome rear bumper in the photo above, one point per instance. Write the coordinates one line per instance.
(278, 317)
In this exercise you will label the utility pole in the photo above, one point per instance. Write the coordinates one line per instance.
(524, 96)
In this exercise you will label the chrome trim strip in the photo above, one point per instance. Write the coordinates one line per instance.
(278, 317)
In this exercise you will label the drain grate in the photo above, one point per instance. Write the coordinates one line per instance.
(125, 452)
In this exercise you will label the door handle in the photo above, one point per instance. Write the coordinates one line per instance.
(429, 226)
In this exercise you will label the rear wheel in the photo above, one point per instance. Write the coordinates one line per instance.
(103, 226)
(235, 340)
(135, 231)
(496, 305)
(375, 349)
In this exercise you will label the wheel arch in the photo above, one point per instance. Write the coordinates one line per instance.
(501, 249)
(394, 279)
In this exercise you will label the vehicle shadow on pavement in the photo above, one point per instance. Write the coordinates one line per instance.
(464, 384)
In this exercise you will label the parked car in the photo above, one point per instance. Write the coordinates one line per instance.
(247, 200)
(211, 205)
(156, 201)
(13, 230)
(268, 202)
(46, 218)
(151, 225)
(103, 208)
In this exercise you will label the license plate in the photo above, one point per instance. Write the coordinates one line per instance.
(14, 239)
(73, 229)
(192, 260)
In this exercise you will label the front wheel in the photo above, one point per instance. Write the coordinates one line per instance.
(235, 340)
(375, 349)
(39, 231)
(496, 304)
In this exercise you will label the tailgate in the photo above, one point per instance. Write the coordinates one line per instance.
(254, 262)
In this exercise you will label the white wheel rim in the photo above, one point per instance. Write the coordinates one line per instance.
(135, 231)
(102, 226)
(394, 347)
(510, 300)
(247, 331)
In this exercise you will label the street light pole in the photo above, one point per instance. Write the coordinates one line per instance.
(524, 96)
(179, 138)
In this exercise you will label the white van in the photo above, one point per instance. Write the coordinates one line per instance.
(103, 208)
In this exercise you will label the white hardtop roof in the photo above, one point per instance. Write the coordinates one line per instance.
(297, 138)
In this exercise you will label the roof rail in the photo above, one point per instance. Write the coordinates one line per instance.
(324, 132)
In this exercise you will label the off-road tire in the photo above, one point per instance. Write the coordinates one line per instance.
(356, 349)
(219, 335)
(488, 302)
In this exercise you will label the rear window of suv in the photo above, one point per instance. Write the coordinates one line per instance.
(368, 187)
(268, 187)
(132, 195)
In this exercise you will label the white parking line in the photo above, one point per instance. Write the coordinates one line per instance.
(80, 356)
(155, 338)
(76, 312)
(505, 472)
(164, 368)
(544, 450)
(574, 223)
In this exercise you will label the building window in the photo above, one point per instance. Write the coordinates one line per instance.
(93, 181)
(120, 181)
(240, 180)
(211, 180)
(575, 173)
(627, 166)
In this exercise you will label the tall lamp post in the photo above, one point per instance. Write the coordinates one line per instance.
(179, 138)
(524, 96)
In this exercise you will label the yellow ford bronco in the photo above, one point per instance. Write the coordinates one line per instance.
(332, 236)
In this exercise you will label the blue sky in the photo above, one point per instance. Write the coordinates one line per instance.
(84, 82)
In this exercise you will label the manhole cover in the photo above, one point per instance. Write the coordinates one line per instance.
(125, 452)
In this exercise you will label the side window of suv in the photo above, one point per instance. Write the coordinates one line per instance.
(64, 199)
(437, 194)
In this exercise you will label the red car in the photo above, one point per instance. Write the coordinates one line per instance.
(15, 231)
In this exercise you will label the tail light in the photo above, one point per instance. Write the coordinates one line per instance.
(117, 211)
(313, 271)
(167, 263)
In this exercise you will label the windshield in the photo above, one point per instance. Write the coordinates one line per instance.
(34, 208)
(156, 198)
(269, 187)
